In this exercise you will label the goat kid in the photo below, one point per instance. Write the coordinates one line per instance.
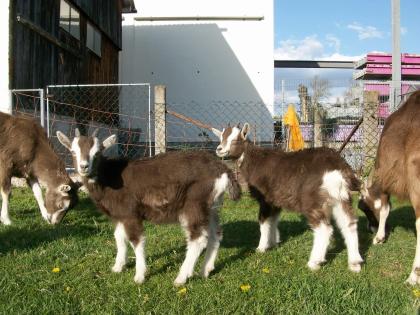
(183, 187)
(397, 172)
(25, 151)
(314, 182)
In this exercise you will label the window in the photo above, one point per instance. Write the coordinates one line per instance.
(93, 39)
(69, 19)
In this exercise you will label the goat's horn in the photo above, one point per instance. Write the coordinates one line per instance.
(370, 178)
(77, 132)
(95, 133)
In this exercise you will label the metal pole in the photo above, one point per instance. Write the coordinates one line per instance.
(42, 107)
(48, 114)
(150, 127)
(395, 90)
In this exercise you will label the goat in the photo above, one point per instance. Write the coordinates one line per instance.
(314, 182)
(184, 187)
(26, 152)
(397, 172)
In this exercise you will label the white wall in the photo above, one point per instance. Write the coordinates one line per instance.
(208, 66)
(5, 97)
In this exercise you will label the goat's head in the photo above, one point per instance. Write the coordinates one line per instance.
(85, 150)
(59, 200)
(370, 202)
(232, 140)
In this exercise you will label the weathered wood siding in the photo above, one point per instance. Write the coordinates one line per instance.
(37, 61)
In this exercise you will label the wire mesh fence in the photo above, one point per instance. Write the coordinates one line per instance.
(347, 116)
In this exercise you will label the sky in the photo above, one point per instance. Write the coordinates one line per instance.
(338, 30)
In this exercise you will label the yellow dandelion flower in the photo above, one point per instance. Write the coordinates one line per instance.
(245, 287)
(67, 289)
(182, 291)
(56, 270)
(416, 293)
(266, 270)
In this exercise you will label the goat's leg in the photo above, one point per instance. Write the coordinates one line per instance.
(5, 195)
(36, 189)
(414, 277)
(268, 218)
(347, 222)
(385, 206)
(197, 239)
(134, 231)
(214, 238)
(121, 241)
(322, 233)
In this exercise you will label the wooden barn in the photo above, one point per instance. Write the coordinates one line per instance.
(64, 41)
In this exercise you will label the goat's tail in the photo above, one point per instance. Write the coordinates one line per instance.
(234, 189)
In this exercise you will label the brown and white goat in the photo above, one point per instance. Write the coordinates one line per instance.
(183, 187)
(26, 152)
(397, 172)
(314, 182)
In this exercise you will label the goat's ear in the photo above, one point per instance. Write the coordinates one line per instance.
(64, 140)
(64, 188)
(245, 131)
(111, 140)
(217, 132)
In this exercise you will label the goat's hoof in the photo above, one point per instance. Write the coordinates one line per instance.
(314, 265)
(5, 221)
(355, 267)
(262, 249)
(414, 278)
(206, 272)
(117, 268)
(378, 240)
(179, 281)
(139, 279)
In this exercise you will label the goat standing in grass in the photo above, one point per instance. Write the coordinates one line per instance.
(183, 187)
(314, 182)
(397, 171)
(26, 152)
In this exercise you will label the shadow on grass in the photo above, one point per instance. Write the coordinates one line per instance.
(29, 235)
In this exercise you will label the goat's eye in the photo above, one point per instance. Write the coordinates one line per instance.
(60, 205)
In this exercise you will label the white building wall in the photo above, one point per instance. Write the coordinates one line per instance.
(207, 65)
(5, 97)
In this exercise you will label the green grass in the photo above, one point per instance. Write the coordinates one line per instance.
(83, 248)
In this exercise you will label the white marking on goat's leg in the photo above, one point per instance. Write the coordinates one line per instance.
(194, 249)
(36, 189)
(265, 230)
(348, 228)
(383, 215)
(322, 234)
(121, 241)
(414, 277)
(4, 215)
(215, 236)
(140, 260)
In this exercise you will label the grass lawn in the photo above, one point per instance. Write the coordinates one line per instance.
(83, 249)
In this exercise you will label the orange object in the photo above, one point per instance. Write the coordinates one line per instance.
(295, 139)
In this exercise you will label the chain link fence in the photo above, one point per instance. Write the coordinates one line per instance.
(347, 116)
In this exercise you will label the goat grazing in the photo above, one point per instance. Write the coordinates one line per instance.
(26, 152)
(184, 187)
(315, 182)
(397, 172)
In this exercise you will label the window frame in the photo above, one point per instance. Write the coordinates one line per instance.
(73, 15)
(96, 39)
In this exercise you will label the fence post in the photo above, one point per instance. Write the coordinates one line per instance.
(317, 127)
(160, 119)
(370, 129)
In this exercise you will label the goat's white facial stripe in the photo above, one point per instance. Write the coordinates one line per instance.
(75, 148)
(232, 137)
(336, 186)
